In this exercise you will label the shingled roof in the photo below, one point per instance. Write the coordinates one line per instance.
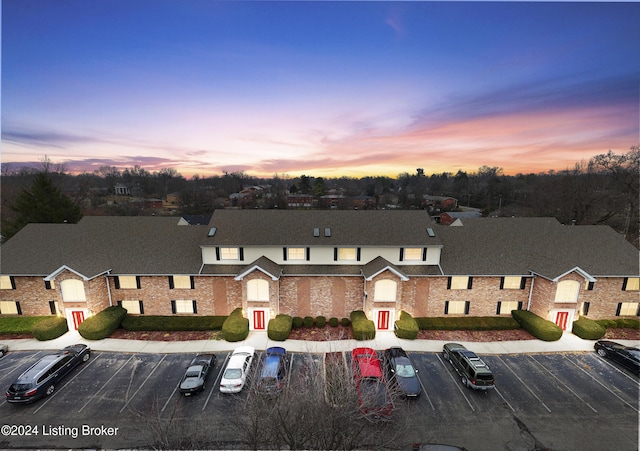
(521, 246)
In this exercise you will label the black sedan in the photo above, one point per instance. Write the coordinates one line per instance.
(626, 356)
(401, 372)
(195, 377)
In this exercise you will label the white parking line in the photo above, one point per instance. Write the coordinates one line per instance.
(142, 384)
(104, 385)
(523, 383)
(456, 383)
(504, 399)
(214, 386)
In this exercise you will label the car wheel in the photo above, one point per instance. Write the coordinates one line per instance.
(602, 352)
(85, 357)
(50, 389)
(464, 381)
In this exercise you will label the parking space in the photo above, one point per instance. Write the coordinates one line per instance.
(117, 390)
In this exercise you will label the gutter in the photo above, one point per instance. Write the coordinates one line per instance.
(533, 278)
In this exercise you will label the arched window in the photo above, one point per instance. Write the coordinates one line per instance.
(385, 290)
(73, 290)
(257, 290)
(567, 291)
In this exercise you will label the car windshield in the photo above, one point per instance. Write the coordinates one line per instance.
(19, 387)
(634, 352)
(193, 374)
(405, 370)
(232, 373)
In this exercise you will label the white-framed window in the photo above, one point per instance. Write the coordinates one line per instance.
(457, 307)
(229, 253)
(505, 307)
(413, 253)
(182, 282)
(459, 282)
(511, 283)
(133, 307)
(627, 309)
(183, 306)
(128, 282)
(257, 290)
(296, 253)
(385, 290)
(73, 290)
(7, 283)
(9, 308)
(631, 284)
(347, 253)
(567, 291)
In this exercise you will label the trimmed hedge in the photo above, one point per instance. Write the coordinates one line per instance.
(279, 328)
(622, 323)
(173, 323)
(297, 322)
(363, 328)
(308, 321)
(588, 329)
(321, 321)
(333, 322)
(539, 327)
(103, 324)
(50, 328)
(345, 322)
(406, 327)
(235, 327)
(467, 323)
(20, 324)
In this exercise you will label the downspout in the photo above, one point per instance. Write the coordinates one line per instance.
(530, 292)
(364, 297)
(106, 278)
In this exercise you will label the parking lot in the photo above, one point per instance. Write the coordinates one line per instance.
(561, 401)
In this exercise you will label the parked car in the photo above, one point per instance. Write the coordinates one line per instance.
(3, 349)
(373, 394)
(40, 379)
(400, 371)
(273, 371)
(195, 378)
(626, 356)
(237, 369)
(473, 372)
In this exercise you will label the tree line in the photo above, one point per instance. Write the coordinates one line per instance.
(602, 190)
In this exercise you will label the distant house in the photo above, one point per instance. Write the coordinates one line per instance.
(363, 201)
(122, 190)
(448, 218)
(439, 203)
(296, 200)
(320, 262)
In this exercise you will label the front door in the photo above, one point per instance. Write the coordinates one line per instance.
(259, 322)
(75, 318)
(383, 320)
(561, 319)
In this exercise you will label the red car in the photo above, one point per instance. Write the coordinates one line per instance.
(373, 394)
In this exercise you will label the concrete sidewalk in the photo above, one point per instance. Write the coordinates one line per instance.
(259, 340)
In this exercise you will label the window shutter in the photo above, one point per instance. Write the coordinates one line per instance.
(446, 307)
(502, 283)
(141, 307)
(138, 285)
(217, 253)
(401, 253)
(308, 254)
(498, 309)
(585, 308)
(469, 283)
(242, 254)
(523, 283)
(284, 253)
(119, 303)
(467, 306)
(358, 254)
(192, 280)
(520, 305)
(590, 286)
(449, 283)
(13, 286)
(619, 308)
(171, 283)
(47, 284)
(18, 308)
(335, 254)
(424, 254)
(638, 311)
(52, 307)
(624, 283)
(173, 307)
(116, 282)
(195, 307)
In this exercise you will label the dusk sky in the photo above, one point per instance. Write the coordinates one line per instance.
(318, 88)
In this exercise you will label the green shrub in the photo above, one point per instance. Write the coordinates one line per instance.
(297, 322)
(321, 321)
(173, 323)
(607, 323)
(308, 321)
(588, 329)
(627, 323)
(363, 328)
(19, 324)
(539, 327)
(333, 322)
(102, 324)
(406, 327)
(467, 323)
(345, 322)
(50, 328)
(235, 327)
(279, 328)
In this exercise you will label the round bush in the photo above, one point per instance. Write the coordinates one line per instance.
(235, 327)
(333, 322)
(321, 321)
(103, 324)
(345, 322)
(50, 328)
(297, 322)
(308, 321)
(279, 328)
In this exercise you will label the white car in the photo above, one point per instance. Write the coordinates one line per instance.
(3, 349)
(235, 374)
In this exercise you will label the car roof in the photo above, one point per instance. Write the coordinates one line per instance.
(368, 363)
(244, 350)
(271, 365)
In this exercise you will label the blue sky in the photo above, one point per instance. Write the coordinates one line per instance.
(318, 88)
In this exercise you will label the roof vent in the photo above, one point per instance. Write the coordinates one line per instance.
(316, 231)
(430, 232)
(212, 231)
(327, 231)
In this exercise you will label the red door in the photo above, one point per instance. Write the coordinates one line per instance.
(561, 319)
(78, 317)
(258, 320)
(383, 319)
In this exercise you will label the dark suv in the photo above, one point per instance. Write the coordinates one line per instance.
(473, 371)
(41, 377)
(273, 371)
